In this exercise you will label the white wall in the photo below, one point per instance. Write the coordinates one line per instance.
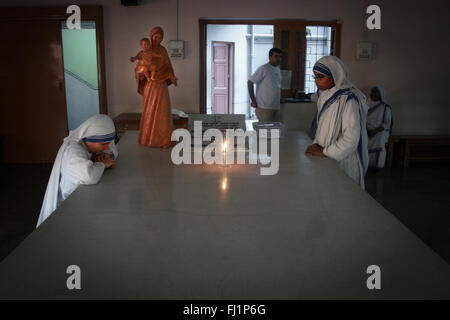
(411, 50)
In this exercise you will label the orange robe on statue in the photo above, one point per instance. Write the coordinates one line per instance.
(156, 124)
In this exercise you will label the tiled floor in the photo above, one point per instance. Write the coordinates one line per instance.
(418, 197)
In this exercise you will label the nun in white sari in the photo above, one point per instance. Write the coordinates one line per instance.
(339, 128)
(80, 160)
(379, 127)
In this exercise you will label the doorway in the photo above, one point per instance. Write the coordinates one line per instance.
(33, 122)
(222, 75)
(35, 116)
(80, 72)
(233, 53)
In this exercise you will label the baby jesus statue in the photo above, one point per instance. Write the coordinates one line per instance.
(145, 67)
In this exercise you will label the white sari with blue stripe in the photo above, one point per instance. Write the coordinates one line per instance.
(379, 115)
(73, 164)
(340, 123)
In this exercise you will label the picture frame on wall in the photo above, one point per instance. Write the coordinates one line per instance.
(176, 49)
(364, 51)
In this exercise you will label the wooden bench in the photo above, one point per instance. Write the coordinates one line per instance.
(427, 147)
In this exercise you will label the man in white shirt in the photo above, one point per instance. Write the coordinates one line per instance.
(268, 85)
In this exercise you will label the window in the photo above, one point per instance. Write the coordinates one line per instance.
(303, 44)
(318, 44)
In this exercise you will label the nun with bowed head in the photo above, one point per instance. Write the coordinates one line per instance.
(81, 159)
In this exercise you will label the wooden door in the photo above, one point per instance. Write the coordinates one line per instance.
(221, 84)
(33, 106)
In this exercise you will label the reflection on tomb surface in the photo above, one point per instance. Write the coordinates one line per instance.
(209, 232)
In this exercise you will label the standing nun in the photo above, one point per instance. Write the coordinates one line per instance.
(379, 127)
(339, 128)
(80, 160)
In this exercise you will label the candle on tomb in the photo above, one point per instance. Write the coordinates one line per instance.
(224, 153)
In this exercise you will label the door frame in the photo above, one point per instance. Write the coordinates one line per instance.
(94, 13)
(203, 23)
(230, 46)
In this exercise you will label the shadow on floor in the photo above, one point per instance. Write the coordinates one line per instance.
(420, 199)
(22, 191)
